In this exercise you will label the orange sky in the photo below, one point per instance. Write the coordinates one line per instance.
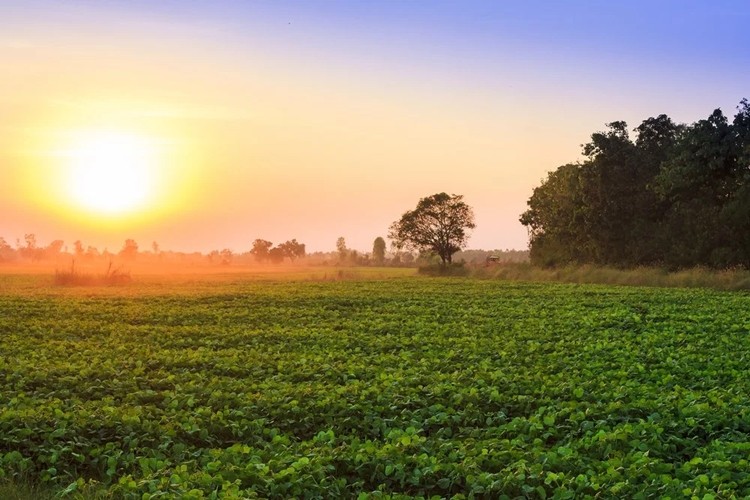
(276, 122)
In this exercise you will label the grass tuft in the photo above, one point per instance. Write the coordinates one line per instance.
(73, 277)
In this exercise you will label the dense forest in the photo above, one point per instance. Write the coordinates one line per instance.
(675, 196)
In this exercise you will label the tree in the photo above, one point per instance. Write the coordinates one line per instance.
(603, 211)
(705, 185)
(378, 251)
(226, 256)
(261, 249)
(92, 253)
(406, 258)
(341, 249)
(438, 224)
(558, 219)
(6, 251)
(30, 240)
(53, 249)
(276, 255)
(28, 251)
(129, 249)
(292, 249)
(78, 250)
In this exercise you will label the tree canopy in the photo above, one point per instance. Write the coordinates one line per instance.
(261, 249)
(129, 249)
(676, 196)
(292, 249)
(439, 224)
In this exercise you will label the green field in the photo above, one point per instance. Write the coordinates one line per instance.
(443, 387)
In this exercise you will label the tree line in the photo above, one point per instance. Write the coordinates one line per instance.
(437, 228)
(262, 252)
(675, 196)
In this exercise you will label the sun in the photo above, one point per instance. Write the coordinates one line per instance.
(111, 172)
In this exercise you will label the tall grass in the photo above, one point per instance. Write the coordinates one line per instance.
(10, 490)
(74, 277)
(697, 277)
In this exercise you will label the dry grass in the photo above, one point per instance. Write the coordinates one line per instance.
(174, 280)
(698, 277)
(36, 279)
(73, 277)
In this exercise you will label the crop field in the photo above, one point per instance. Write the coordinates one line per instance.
(374, 387)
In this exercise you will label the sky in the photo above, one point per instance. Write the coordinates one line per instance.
(206, 125)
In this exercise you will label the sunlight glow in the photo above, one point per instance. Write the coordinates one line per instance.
(110, 177)
(111, 172)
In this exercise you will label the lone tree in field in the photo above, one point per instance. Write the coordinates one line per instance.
(438, 224)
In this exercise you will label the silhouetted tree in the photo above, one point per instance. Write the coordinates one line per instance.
(129, 250)
(53, 249)
(6, 251)
(438, 224)
(78, 250)
(292, 249)
(341, 249)
(30, 240)
(276, 255)
(30, 250)
(92, 252)
(378, 251)
(226, 257)
(261, 249)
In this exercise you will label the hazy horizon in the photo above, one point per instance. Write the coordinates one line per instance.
(230, 121)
